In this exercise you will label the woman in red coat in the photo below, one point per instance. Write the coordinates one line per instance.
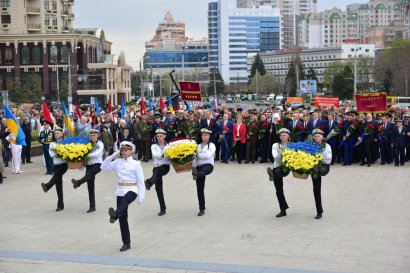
(239, 138)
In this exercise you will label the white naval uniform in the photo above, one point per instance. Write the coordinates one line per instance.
(96, 156)
(277, 149)
(128, 170)
(16, 153)
(205, 154)
(158, 155)
(327, 154)
(52, 152)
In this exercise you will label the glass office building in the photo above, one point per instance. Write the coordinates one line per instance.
(234, 33)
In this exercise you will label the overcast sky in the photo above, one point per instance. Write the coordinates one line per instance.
(129, 23)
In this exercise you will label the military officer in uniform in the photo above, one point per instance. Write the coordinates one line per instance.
(203, 165)
(60, 168)
(277, 173)
(130, 187)
(161, 168)
(93, 166)
(45, 138)
(144, 129)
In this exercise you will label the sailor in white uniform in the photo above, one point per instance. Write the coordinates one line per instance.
(130, 187)
(203, 165)
(161, 168)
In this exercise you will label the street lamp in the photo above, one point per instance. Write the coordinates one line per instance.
(183, 59)
(56, 63)
(196, 67)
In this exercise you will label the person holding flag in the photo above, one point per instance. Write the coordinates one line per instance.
(45, 138)
(69, 128)
(16, 139)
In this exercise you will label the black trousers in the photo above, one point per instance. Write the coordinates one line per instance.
(25, 153)
(367, 142)
(399, 155)
(157, 174)
(278, 181)
(240, 150)
(122, 213)
(317, 186)
(251, 149)
(203, 171)
(90, 173)
(57, 179)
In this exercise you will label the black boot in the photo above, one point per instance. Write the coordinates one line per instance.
(1, 178)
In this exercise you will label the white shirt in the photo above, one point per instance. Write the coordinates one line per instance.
(158, 155)
(277, 149)
(52, 151)
(96, 156)
(128, 170)
(205, 154)
(327, 154)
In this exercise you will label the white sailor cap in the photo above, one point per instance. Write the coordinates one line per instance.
(160, 131)
(317, 131)
(127, 145)
(205, 131)
(284, 130)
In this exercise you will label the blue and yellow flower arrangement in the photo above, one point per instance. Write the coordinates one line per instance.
(301, 157)
(74, 149)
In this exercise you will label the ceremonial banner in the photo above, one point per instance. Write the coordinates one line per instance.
(371, 102)
(326, 101)
(190, 91)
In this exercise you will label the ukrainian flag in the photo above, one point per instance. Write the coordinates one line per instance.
(14, 127)
(67, 121)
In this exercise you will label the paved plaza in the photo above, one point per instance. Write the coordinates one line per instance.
(365, 225)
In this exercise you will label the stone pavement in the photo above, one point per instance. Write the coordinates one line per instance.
(365, 225)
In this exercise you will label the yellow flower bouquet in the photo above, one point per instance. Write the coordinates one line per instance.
(74, 150)
(181, 153)
(301, 157)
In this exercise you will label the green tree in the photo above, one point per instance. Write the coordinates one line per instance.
(267, 85)
(343, 83)
(63, 91)
(215, 77)
(311, 74)
(290, 80)
(257, 65)
(32, 89)
(136, 84)
(16, 93)
(331, 70)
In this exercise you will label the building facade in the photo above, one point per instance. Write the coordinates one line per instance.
(235, 32)
(277, 63)
(81, 56)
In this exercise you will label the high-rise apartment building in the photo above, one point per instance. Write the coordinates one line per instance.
(37, 40)
(235, 32)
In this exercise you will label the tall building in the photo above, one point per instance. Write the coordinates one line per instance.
(37, 40)
(334, 27)
(235, 32)
(170, 49)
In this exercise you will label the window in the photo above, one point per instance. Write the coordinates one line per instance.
(8, 55)
(5, 3)
(53, 53)
(46, 5)
(25, 55)
(1, 59)
(54, 21)
(36, 55)
(54, 5)
(64, 54)
(46, 20)
(6, 19)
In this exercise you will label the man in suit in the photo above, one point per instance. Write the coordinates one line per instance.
(332, 140)
(385, 138)
(369, 140)
(315, 123)
(209, 123)
(292, 126)
(225, 131)
(399, 141)
(180, 125)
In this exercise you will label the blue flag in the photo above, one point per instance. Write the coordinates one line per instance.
(212, 106)
(14, 127)
(151, 107)
(67, 121)
(97, 109)
(122, 109)
(189, 107)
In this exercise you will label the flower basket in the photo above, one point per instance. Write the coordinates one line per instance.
(75, 165)
(181, 168)
(300, 176)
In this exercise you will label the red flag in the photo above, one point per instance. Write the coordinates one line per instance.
(142, 106)
(77, 110)
(109, 108)
(198, 106)
(47, 114)
(178, 106)
(162, 104)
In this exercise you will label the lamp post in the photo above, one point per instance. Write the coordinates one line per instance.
(183, 59)
(56, 63)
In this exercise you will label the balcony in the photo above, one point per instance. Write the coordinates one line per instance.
(66, 30)
(64, 13)
(71, 16)
(71, 2)
(34, 27)
(33, 11)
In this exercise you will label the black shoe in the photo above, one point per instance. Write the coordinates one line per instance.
(253, 162)
(401, 164)
(30, 162)
(44, 186)
(222, 161)
(201, 212)
(382, 163)
(263, 161)
(194, 173)
(162, 212)
(23, 162)
(125, 247)
(59, 209)
(368, 165)
(239, 162)
(318, 216)
(91, 209)
(270, 173)
(396, 165)
(148, 184)
(344, 164)
(246, 162)
(113, 215)
(281, 214)
(362, 164)
(75, 183)
(6, 165)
